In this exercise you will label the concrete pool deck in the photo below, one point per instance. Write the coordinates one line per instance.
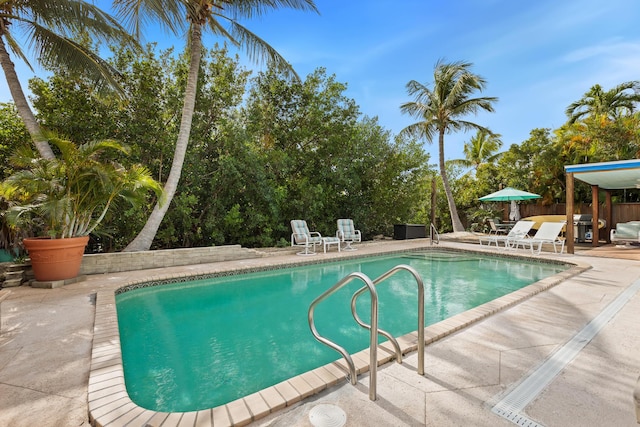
(47, 336)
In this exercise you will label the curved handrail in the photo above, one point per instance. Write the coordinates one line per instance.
(420, 283)
(373, 335)
(382, 332)
(433, 231)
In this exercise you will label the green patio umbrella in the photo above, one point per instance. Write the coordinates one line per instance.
(508, 194)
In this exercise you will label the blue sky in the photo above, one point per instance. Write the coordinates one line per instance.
(537, 56)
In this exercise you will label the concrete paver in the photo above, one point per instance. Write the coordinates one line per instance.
(46, 337)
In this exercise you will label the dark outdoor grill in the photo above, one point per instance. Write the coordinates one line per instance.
(583, 227)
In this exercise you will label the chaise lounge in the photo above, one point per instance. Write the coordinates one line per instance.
(519, 231)
(626, 232)
(549, 232)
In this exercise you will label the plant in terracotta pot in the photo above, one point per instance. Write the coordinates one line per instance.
(67, 198)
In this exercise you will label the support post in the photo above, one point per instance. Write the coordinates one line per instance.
(569, 211)
(595, 215)
(608, 215)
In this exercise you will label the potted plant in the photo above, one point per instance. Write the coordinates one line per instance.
(66, 198)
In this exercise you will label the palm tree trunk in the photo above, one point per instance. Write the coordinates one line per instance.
(143, 240)
(455, 219)
(22, 105)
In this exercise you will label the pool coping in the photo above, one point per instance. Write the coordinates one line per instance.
(109, 403)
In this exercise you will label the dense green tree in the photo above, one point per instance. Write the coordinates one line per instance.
(216, 150)
(148, 121)
(326, 162)
(442, 109)
(221, 19)
(49, 29)
(69, 107)
(611, 104)
(13, 134)
(303, 128)
(535, 165)
(388, 181)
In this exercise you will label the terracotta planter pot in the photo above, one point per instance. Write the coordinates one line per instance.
(55, 259)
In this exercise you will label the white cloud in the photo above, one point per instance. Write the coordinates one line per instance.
(615, 49)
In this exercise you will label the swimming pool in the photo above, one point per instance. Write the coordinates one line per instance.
(162, 327)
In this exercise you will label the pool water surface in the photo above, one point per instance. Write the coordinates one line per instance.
(203, 343)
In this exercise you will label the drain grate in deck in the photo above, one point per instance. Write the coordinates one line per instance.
(511, 406)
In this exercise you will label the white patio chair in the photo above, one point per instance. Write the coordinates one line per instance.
(549, 232)
(301, 236)
(348, 234)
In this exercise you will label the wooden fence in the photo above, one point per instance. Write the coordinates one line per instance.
(621, 212)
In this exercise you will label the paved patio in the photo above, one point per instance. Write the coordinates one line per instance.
(46, 340)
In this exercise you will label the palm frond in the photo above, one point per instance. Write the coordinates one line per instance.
(250, 9)
(14, 46)
(49, 29)
(137, 14)
(258, 50)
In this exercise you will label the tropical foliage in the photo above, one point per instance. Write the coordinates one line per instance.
(69, 196)
(610, 104)
(262, 150)
(481, 149)
(221, 19)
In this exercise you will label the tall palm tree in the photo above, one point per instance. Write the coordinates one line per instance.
(441, 111)
(611, 104)
(481, 148)
(47, 27)
(221, 18)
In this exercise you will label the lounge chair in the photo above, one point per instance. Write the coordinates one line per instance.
(626, 232)
(549, 232)
(301, 236)
(519, 231)
(348, 234)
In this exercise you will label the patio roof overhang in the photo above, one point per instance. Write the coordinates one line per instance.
(607, 176)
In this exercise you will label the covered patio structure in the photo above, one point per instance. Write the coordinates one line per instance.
(607, 176)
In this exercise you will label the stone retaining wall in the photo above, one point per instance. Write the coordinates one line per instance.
(127, 261)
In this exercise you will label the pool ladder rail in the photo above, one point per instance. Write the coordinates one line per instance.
(433, 233)
(370, 285)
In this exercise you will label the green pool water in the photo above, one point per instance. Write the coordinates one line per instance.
(200, 344)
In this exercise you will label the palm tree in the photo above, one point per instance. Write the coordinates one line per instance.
(221, 18)
(611, 104)
(481, 148)
(441, 110)
(48, 27)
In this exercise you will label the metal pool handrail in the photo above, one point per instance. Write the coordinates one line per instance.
(373, 335)
(391, 339)
(373, 327)
(433, 231)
